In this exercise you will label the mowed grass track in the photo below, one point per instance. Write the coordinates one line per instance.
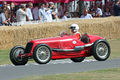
(4, 57)
(115, 52)
(108, 74)
(115, 48)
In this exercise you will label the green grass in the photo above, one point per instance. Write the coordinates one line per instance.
(108, 74)
(4, 57)
(115, 52)
(115, 48)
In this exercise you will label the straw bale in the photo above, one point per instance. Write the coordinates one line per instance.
(105, 27)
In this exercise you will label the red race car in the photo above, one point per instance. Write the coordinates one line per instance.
(64, 46)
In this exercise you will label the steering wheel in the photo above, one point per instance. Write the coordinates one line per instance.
(63, 33)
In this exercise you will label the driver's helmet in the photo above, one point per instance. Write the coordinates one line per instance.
(74, 28)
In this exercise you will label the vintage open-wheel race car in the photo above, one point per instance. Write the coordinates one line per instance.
(61, 47)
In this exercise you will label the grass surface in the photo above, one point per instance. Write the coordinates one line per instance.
(4, 57)
(115, 48)
(115, 52)
(108, 74)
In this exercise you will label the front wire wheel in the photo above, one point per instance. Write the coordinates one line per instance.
(42, 54)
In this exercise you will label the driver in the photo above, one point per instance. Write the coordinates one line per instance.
(74, 29)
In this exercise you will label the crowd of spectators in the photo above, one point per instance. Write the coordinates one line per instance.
(48, 12)
(45, 12)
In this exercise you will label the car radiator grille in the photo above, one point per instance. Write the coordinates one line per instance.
(28, 47)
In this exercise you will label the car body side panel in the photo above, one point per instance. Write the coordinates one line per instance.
(65, 42)
(93, 38)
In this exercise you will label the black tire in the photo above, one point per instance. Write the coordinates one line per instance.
(14, 56)
(101, 50)
(42, 54)
(78, 59)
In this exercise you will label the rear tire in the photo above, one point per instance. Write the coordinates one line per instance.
(101, 50)
(42, 54)
(14, 56)
(78, 59)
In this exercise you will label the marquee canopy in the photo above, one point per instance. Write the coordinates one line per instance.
(55, 1)
(87, 0)
(38, 1)
(41, 1)
(17, 0)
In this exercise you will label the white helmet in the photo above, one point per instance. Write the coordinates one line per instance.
(74, 28)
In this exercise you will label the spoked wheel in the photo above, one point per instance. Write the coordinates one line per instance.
(78, 59)
(14, 56)
(42, 54)
(101, 50)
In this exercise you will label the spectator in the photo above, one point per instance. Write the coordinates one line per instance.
(107, 12)
(46, 5)
(116, 8)
(21, 15)
(3, 20)
(29, 13)
(54, 11)
(111, 8)
(86, 6)
(52, 7)
(48, 12)
(98, 11)
(55, 17)
(62, 9)
(86, 15)
(6, 11)
(77, 9)
(42, 13)
(92, 10)
(35, 12)
(12, 8)
(65, 15)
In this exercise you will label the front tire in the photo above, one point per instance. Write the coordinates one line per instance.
(14, 56)
(101, 50)
(42, 54)
(78, 59)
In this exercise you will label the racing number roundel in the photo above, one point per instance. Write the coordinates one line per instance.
(74, 42)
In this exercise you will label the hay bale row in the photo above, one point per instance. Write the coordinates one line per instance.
(11, 36)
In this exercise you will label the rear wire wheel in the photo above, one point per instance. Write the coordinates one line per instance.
(101, 50)
(14, 56)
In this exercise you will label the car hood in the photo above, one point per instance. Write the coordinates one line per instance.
(52, 39)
